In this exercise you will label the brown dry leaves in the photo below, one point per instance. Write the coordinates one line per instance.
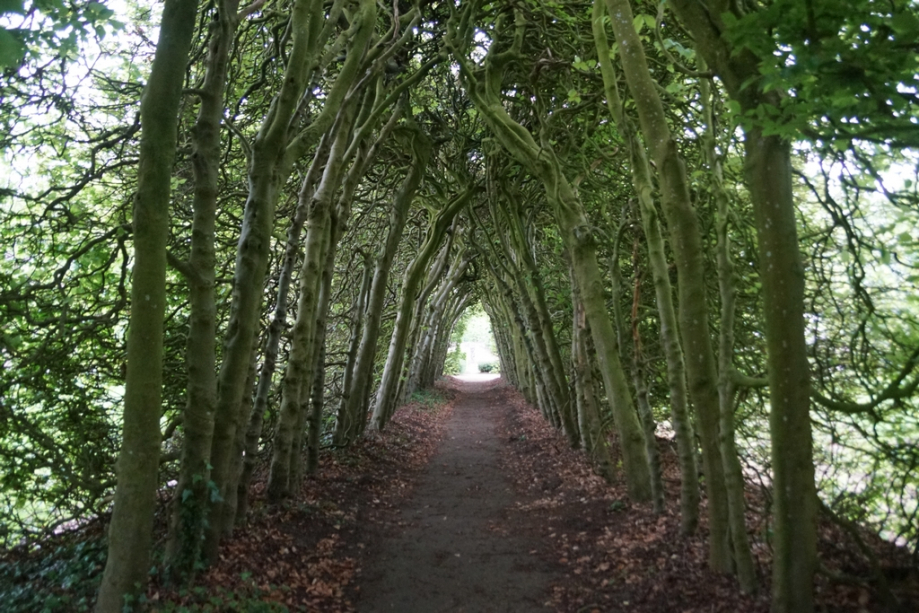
(305, 554)
(619, 556)
(613, 555)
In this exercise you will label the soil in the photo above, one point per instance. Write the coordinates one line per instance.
(454, 551)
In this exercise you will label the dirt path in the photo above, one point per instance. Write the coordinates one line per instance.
(453, 553)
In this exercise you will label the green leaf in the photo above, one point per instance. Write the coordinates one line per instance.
(905, 23)
(638, 23)
(12, 51)
(842, 144)
(12, 6)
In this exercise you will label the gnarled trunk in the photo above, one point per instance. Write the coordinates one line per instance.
(386, 394)
(298, 373)
(190, 501)
(277, 327)
(485, 90)
(592, 434)
(733, 472)
(352, 413)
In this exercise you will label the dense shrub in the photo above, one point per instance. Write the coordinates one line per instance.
(490, 367)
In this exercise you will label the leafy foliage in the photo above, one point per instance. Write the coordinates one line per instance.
(63, 578)
(844, 86)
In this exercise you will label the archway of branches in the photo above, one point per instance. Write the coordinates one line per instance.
(697, 218)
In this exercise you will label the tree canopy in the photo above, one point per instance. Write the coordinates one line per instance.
(237, 233)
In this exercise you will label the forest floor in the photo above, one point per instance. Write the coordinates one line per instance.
(478, 505)
(470, 502)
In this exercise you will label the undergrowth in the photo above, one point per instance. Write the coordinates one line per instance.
(429, 399)
(64, 577)
(200, 599)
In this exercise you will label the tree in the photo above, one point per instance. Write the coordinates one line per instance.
(130, 531)
(378, 170)
(192, 491)
(676, 370)
(768, 175)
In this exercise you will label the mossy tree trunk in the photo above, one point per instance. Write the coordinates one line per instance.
(298, 373)
(190, 500)
(639, 380)
(686, 242)
(274, 150)
(429, 327)
(532, 293)
(768, 170)
(361, 154)
(525, 335)
(416, 272)
(130, 530)
(434, 368)
(663, 291)
(551, 386)
(352, 412)
(733, 472)
(769, 179)
(595, 444)
(278, 324)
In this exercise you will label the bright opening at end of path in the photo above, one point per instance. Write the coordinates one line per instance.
(473, 353)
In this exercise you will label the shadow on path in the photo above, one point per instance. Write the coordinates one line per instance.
(452, 555)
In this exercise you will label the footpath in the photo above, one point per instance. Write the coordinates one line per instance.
(453, 553)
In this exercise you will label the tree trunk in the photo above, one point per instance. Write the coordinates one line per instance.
(595, 443)
(274, 151)
(277, 327)
(386, 394)
(575, 230)
(527, 358)
(442, 277)
(236, 460)
(349, 147)
(357, 329)
(686, 241)
(353, 409)
(298, 374)
(316, 403)
(733, 473)
(505, 346)
(532, 294)
(768, 169)
(663, 292)
(190, 500)
(641, 393)
(130, 531)
(427, 334)
(768, 177)
(268, 169)
(434, 369)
